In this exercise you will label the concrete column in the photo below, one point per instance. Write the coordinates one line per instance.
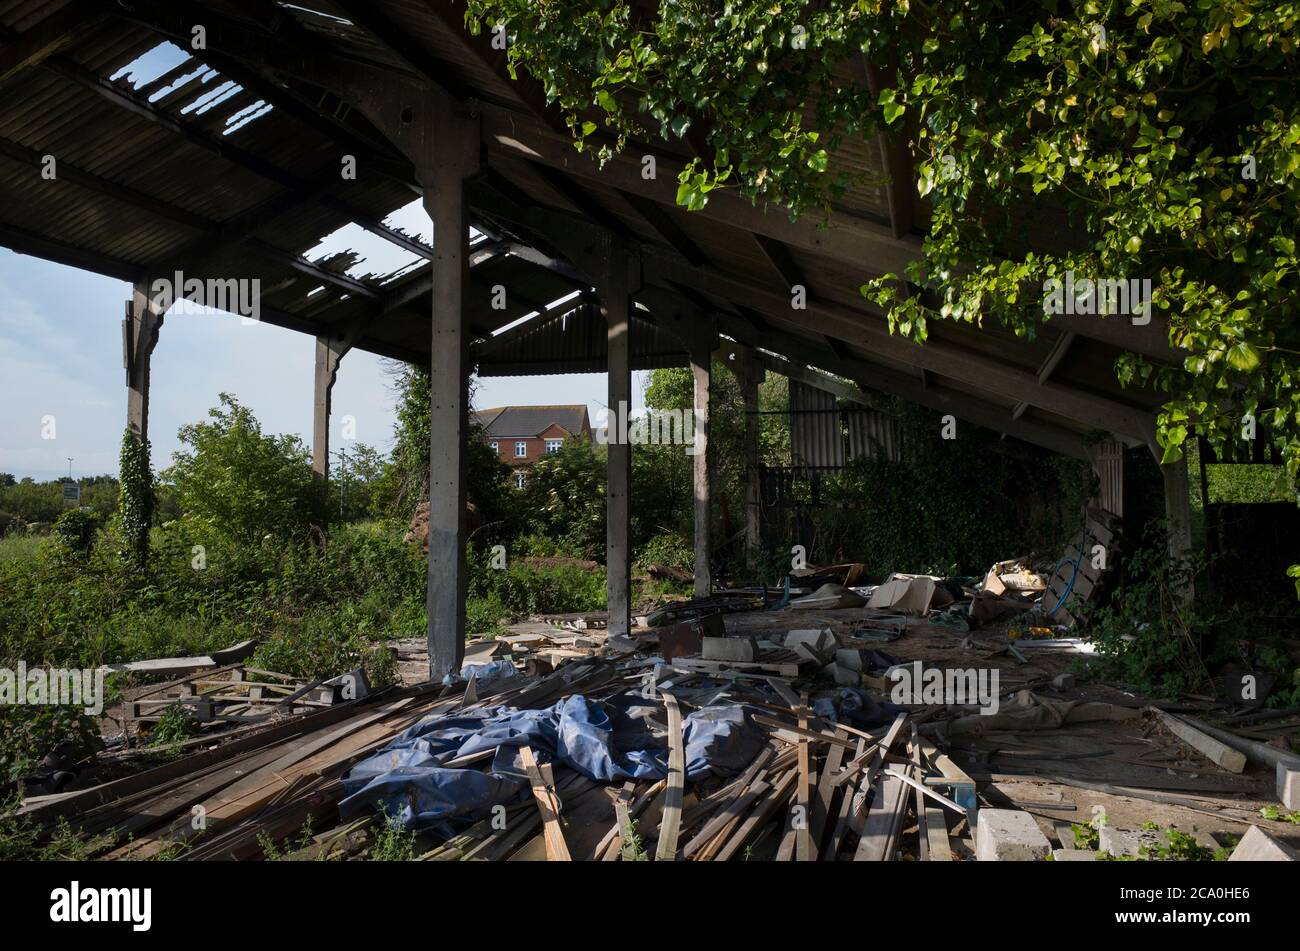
(140, 335)
(1178, 508)
(750, 376)
(328, 356)
(702, 374)
(453, 158)
(616, 302)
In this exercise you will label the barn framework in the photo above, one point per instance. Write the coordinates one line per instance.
(233, 164)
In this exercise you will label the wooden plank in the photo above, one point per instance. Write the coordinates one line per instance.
(670, 825)
(922, 817)
(1219, 753)
(548, 804)
(881, 829)
(780, 792)
(803, 731)
(804, 850)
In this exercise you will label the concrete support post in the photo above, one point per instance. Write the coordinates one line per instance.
(750, 376)
(702, 375)
(1178, 508)
(140, 335)
(328, 356)
(616, 301)
(445, 202)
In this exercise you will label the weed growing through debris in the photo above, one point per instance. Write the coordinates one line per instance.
(23, 838)
(1086, 836)
(393, 843)
(174, 726)
(632, 849)
(271, 852)
(1152, 639)
(1274, 814)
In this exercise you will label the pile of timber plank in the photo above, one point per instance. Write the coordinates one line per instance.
(816, 790)
(239, 694)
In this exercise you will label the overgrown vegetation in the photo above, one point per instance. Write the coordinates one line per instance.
(1163, 137)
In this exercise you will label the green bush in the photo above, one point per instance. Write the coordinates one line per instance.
(241, 483)
(76, 529)
(29, 732)
(325, 643)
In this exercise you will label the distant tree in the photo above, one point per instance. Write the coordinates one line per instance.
(240, 482)
(406, 484)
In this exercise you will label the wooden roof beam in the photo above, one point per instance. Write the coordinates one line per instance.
(863, 243)
(937, 356)
(47, 37)
(892, 382)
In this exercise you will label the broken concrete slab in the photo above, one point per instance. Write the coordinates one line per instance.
(1009, 835)
(1119, 842)
(819, 640)
(1073, 855)
(912, 594)
(1258, 846)
(842, 675)
(1288, 787)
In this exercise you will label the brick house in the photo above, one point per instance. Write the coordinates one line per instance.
(520, 435)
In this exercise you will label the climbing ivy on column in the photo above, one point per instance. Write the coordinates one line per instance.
(136, 498)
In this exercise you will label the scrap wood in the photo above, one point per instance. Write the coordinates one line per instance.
(769, 803)
(804, 851)
(922, 818)
(923, 790)
(666, 849)
(832, 846)
(226, 801)
(880, 830)
(548, 804)
(802, 731)
(1217, 752)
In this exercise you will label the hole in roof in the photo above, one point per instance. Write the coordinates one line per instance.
(202, 73)
(244, 116)
(149, 65)
(212, 97)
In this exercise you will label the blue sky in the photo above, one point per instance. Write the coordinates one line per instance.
(61, 356)
(61, 348)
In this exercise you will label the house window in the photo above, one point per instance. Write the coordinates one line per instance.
(519, 480)
(493, 444)
(553, 445)
(521, 450)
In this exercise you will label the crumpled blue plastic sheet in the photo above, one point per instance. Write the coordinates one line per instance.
(606, 741)
(855, 706)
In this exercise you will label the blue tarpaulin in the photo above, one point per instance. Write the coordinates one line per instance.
(606, 741)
